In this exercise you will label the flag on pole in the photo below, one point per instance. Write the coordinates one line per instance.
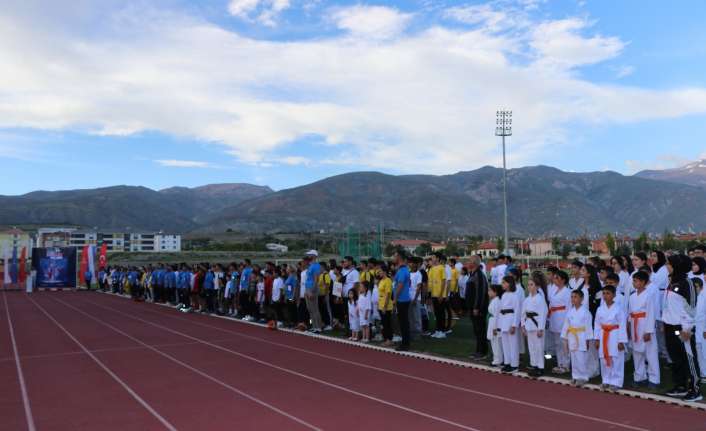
(103, 258)
(91, 261)
(13, 265)
(6, 264)
(23, 265)
(84, 266)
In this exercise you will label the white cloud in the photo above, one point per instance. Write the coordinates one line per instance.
(427, 97)
(376, 22)
(265, 12)
(623, 71)
(483, 14)
(295, 160)
(171, 163)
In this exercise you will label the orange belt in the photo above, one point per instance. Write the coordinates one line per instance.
(635, 319)
(559, 308)
(606, 337)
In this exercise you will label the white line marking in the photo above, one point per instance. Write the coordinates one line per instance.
(420, 379)
(304, 376)
(107, 370)
(20, 374)
(199, 372)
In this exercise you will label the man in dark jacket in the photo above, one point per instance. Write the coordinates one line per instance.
(477, 301)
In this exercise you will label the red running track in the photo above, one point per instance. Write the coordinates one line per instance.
(99, 362)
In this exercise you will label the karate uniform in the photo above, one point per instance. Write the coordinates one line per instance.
(549, 348)
(609, 328)
(660, 280)
(641, 321)
(534, 319)
(520, 292)
(559, 305)
(700, 321)
(495, 340)
(353, 316)
(510, 317)
(577, 329)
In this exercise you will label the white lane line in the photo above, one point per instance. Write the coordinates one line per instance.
(197, 371)
(411, 377)
(295, 373)
(139, 399)
(20, 374)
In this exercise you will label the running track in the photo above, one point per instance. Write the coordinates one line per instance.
(80, 361)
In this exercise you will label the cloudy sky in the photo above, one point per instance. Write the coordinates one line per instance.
(285, 92)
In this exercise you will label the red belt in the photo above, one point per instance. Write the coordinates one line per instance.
(559, 308)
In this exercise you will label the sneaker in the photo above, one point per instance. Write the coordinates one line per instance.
(677, 392)
(615, 389)
(604, 387)
(652, 386)
(506, 369)
(448, 332)
(574, 382)
(639, 384)
(441, 335)
(396, 339)
(693, 396)
(580, 383)
(559, 370)
(328, 328)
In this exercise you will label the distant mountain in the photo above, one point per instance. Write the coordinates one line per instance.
(542, 201)
(139, 208)
(693, 174)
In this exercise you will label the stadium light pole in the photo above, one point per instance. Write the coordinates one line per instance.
(503, 128)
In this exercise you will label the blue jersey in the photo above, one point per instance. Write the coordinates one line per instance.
(402, 277)
(290, 286)
(245, 278)
(208, 281)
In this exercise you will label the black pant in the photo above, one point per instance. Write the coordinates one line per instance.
(386, 324)
(439, 314)
(480, 329)
(323, 310)
(685, 368)
(403, 319)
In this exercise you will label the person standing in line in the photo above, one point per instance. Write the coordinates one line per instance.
(311, 291)
(611, 337)
(437, 289)
(415, 292)
(402, 299)
(349, 277)
(385, 306)
(510, 325)
(477, 300)
(559, 304)
(678, 318)
(641, 332)
(577, 334)
(493, 318)
(700, 327)
(660, 280)
(534, 320)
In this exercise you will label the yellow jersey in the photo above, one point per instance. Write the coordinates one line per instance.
(385, 294)
(437, 279)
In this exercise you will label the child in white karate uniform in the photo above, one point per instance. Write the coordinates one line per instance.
(364, 310)
(700, 327)
(642, 310)
(534, 320)
(577, 333)
(353, 316)
(493, 333)
(509, 323)
(611, 337)
(559, 304)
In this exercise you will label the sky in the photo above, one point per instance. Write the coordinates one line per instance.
(286, 92)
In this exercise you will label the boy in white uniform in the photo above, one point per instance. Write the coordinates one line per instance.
(509, 324)
(611, 337)
(577, 333)
(700, 325)
(559, 304)
(641, 322)
(534, 320)
(493, 333)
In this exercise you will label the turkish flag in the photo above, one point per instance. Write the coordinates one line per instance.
(103, 258)
(84, 265)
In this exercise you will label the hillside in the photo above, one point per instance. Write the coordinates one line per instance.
(693, 174)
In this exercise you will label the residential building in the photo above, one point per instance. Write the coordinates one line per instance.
(487, 249)
(410, 245)
(541, 247)
(115, 241)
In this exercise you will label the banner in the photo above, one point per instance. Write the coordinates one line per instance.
(91, 261)
(84, 265)
(55, 266)
(103, 258)
(23, 266)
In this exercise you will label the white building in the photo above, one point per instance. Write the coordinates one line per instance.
(167, 243)
(115, 241)
(280, 248)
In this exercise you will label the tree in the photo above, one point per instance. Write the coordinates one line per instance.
(610, 243)
(500, 244)
(584, 247)
(642, 243)
(424, 249)
(452, 249)
(556, 245)
(669, 241)
(623, 250)
(472, 246)
(565, 250)
(391, 249)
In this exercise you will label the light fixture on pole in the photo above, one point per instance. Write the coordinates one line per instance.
(503, 128)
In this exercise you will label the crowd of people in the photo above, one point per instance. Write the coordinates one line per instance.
(592, 319)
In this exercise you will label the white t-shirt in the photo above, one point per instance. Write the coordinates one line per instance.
(277, 286)
(352, 277)
(415, 279)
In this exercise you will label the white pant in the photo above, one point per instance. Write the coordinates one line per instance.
(701, 355)
(647, 363)
(614, 374)
(549, 343)
(662, 342)
(592, 364)
(511, 353)
(521, 344)
(562, 358)
(535, 347)
(580, 369)
(497, 346)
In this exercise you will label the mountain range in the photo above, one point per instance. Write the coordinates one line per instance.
(542, 201)
(692, 174)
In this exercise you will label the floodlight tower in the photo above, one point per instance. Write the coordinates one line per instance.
(503, 128)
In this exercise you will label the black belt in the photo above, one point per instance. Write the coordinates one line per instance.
(531, 315)
(507, 311)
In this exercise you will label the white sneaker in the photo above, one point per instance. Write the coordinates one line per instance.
(396, 339)
(328, 328)
(441, 335)
(449, 331)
